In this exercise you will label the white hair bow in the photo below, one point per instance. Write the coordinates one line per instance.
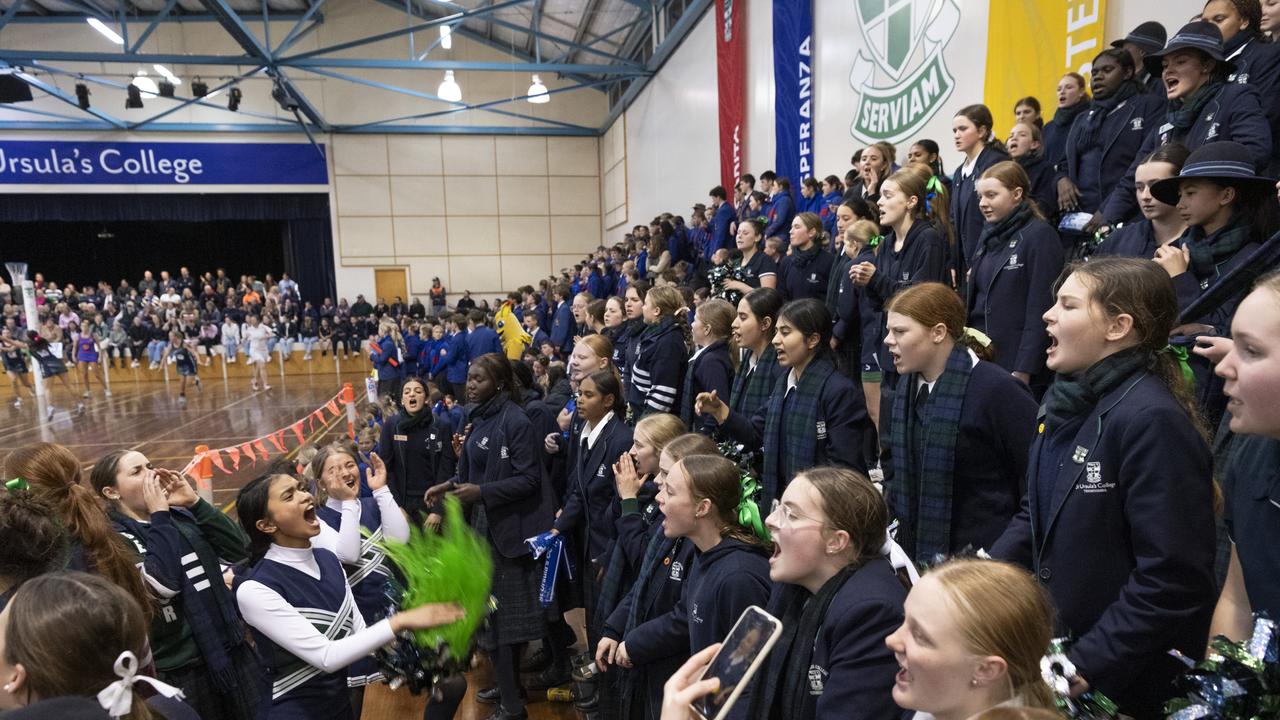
(117, 698)
(898, 558)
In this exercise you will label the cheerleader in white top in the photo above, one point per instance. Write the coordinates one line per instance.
(296, 601)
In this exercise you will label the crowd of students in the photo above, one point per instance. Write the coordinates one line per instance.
(930, 422)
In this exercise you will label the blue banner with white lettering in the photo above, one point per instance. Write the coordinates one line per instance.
(793, 89)
(72, 162)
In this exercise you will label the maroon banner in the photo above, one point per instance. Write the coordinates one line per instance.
(731, 79)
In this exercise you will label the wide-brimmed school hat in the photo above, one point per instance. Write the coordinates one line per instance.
(1199, 35)
(1150, 36)
(1225, 163)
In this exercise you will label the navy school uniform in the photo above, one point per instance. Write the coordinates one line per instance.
(847, 328)
(539, 337)
(1098, 168)
(805, 274)
(923, 258)
(753, 384)
(1235, 114)
(412, 349)
(989, 468)
(1258, 66)
(1044, 189)
(655, 592)
(416, 460)
(723, 582)
(456, 359)
(385, 359)
(1251, 488)
(562, 328)
(851, 670)
(760, 265)
(1127, 547)
(841, 424)
(1010, 289)
(300, 691)
(657, 371)
(482, 341)
(719, 234)
(1057, 130)
(710, 369)
(1136, 240)
(781, 211)
(966, 218)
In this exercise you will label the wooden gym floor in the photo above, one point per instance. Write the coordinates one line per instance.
(144, 414)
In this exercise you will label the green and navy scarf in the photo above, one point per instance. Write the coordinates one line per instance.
(751, 388)
(210, 611)
(794, 439)
(1091, 124)
(997, 233)
(1208, 252)
(1075, 396)
(922, 491)
(1182, 114)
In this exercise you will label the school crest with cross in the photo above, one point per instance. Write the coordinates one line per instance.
(901, 75)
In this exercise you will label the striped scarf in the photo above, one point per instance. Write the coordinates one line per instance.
(751, 388)
(922, 492)
(794, 439)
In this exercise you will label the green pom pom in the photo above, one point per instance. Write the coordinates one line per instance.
(455, 566)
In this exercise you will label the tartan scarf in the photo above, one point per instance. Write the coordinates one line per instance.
(995, 234)
(783, 684)
(794, 439)
(1091, 124)
(922, 497)
(1182, 114)
(210, 613)
(1075, 396)
(617, 581)
(1208, 252)
(751, 388)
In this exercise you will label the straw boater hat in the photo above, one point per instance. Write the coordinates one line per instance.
(1225, 163)
(1199, 35)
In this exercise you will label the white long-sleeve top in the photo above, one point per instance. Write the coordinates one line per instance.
(270, 614)
(394, 524)
(345, 541)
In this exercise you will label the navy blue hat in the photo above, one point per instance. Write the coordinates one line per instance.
(1199, 35)
(1227, 163)
(1150, 36)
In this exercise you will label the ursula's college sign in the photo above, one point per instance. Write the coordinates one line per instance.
(898, 93)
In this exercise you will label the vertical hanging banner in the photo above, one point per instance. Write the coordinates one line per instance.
(1067, 36)
(793, 89)
(731, 80)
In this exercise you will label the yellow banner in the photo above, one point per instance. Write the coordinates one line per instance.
(1031, 44)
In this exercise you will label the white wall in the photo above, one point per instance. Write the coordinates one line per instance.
(672, 130)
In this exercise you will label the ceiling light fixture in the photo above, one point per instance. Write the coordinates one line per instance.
(538, 92)
(449, 89)
(106, 31)
(145, 84)
(82, 95)
(199, 88)
(233, 99)
(168, 75)
(446, 37)
(134, 101)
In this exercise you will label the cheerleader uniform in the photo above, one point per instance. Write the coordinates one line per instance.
(368, 576)
(307, 630)
(86, 349)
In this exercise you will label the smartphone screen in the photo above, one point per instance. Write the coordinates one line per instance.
(746, 646)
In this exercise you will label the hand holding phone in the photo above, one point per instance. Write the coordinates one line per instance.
(740, 655)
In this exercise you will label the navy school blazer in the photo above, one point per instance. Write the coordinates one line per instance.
(1128, 552)
(591, 501)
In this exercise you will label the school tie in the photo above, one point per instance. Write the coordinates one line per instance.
(922, 398)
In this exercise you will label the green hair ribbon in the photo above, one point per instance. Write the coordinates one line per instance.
(875, 241)
(749, 511)
(934, 185)
(17, 484)
(1179, 353)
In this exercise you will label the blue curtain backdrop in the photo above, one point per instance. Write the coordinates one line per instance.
(306, 234)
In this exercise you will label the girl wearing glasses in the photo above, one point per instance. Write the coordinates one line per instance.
(701, 500)
(838, 599)
(815, 416)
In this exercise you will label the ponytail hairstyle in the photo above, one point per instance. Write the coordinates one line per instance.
(757, 225)
(852, 504)
(600, 345)
(33, 539)
(388, 327)
(53, 474)
(1010, 174)
(68, 629)
(863, 232)
(862, 210)
(810, 317)
(1001, 610)
(607, 382)
(932, 304)
(498, 367)
(595, 312)
(688, 444)
(980, 116)
(316, 466)
(1141, 289)
(932, 150)
(670, 303)
(716, 478)
(1175, 154)
(814, 186)
(835, 182)
(251, 506)
(718, 316)
(918, 181)
(814, 223)
(660, 429)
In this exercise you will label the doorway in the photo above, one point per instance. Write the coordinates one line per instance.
(389, 283)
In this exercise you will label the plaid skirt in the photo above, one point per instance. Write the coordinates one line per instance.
(517, 616)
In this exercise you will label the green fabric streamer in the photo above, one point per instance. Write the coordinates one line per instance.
(454, 566)
(1179, 353)
(17, 484)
